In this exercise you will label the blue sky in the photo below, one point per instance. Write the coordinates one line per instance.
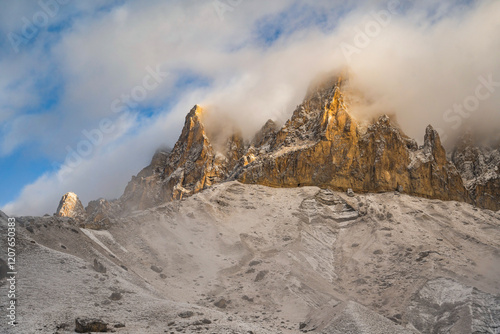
(249, 63)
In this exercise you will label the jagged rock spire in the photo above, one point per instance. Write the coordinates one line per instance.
(70, 206)
(191, 166)
(433, 146)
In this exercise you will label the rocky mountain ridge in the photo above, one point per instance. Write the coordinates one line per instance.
(322, 145)
(479, 166)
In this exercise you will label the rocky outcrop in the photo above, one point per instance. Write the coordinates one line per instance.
(320, 145)
(326, 203)
(445, 306)
(70, 206)
(479, 167)
(99, 213)
(265, 134)
(90, 325)
(192, 165)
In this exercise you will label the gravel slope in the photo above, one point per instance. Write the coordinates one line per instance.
(251, 258)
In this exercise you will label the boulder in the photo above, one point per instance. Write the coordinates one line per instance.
(84, 325)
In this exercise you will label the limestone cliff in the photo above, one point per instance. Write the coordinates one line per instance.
(320, 145)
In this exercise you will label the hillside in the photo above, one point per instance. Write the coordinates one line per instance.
(250, 258)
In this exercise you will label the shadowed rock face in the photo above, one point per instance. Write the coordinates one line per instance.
(321, 145)
(480, 171)
(99, 213)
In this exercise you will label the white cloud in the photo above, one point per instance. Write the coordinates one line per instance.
(419, 71)
(104, 175)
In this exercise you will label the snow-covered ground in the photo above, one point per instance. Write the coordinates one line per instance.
(248, 258)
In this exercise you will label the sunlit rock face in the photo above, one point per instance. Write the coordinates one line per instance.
(70, 206)
(479, 167)
(323, 145)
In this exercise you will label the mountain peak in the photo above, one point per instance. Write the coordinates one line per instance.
(320, 145)
(433, 146)
(194, 164)
(196, 111)
(327, 84)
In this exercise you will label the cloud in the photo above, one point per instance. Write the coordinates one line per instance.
(251, 62)
(420, 71)
(22, 129)
(104, 175)
(417, 65)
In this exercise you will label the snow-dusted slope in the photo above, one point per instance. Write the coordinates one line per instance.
(267, 260)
